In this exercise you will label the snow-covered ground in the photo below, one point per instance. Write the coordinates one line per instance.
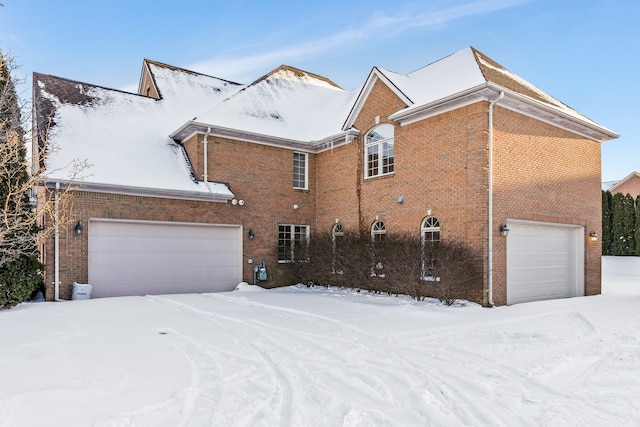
(317, 357)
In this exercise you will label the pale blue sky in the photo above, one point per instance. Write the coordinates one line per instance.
(584, 53)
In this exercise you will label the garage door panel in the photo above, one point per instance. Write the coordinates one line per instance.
(543, 261)
(140, 258)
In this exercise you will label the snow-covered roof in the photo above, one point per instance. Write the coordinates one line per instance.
(129, 139)
(468, 75)
(288, 103)
(451, 75)
(124, 136)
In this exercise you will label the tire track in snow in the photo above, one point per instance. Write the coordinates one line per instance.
(441, 389)
(194, 405)
(536, 391)
(370, 392)
(261, 334)
(278, 397)
(361, 370)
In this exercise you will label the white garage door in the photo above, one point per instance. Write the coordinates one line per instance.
(544, 261)
(147, 258)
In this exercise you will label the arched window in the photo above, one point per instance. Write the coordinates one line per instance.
(430, 231)
(378, 233)
(379, 155)
(337, 233)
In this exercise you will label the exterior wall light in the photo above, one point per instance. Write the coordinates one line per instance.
(504, 231)
(250, 234)
(593, 236)
(78, 228)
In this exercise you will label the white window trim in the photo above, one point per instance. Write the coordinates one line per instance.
(378, 228)
(337, 231)
(306, 170)
(291, 232)
(430, 224)
(379, 144)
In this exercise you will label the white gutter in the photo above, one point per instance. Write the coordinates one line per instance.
(147, 192)
(206, 156)
(190, 128)
(56, 284)
(518, 102)
(490, 228)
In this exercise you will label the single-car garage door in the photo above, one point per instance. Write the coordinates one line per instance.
(544, 261)
(144, 257)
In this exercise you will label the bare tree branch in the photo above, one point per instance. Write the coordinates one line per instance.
(23, 203)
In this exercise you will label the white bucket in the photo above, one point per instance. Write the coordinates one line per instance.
(81, 291)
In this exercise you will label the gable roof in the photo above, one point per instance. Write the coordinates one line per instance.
(293, 74)
(466, 77)
(286, 106)
(119, 131)
(154, 70)
(612, 186)
(123, 137)
(389, 78)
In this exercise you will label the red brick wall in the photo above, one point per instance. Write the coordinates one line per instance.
(440, 164)
(258, 174)
(631, 186)
(543, 173)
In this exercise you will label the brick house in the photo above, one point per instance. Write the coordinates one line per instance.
(195, 181)
(630, 184)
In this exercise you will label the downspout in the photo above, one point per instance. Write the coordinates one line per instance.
(490, 227)
(56, 279)
(206, 156)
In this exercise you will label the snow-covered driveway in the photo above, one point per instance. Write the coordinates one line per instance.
(317, 357)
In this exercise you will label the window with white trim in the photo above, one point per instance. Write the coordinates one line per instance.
(430, 232)
(378, 234)
(337, 231)
(337, 234)
(300, 173)
(293, 241)
(379, 151)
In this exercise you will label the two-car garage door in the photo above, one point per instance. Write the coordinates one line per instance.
(544, 261)
(144, 257)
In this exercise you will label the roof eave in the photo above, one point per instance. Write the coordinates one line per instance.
(545, 112)
(512, 100)
(192, 127)
(374, 74)
(469, 96)
(139, 191)
(623, 180)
